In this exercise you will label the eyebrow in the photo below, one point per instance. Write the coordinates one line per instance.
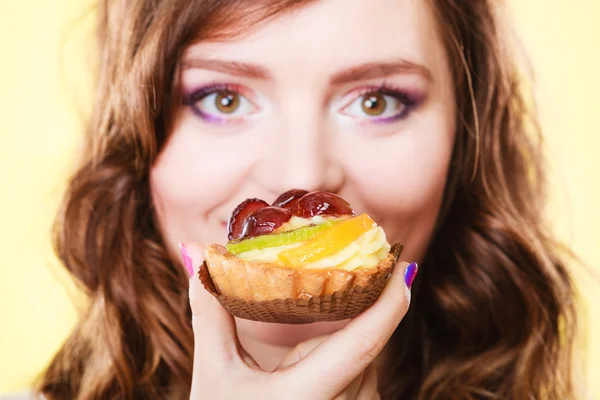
(358, 73)
(380, 70)
(229, 67)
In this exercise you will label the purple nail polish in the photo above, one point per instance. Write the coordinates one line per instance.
(187, 259)
(410, 274)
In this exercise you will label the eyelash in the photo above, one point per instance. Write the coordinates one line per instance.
(209, 89)
(408, 100)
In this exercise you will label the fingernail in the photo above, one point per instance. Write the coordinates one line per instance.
(187, 259)
(410, 274)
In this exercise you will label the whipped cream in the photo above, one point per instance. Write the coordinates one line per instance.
(299, 222)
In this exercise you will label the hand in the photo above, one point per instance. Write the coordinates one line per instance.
(363, 387)
(336, 366)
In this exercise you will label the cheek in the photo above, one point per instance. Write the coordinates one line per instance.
(401, 178)
(193, 176)
(190, 163)
(406, 177)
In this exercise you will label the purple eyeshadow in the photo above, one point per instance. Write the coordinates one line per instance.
(209, 118)
(393, 118)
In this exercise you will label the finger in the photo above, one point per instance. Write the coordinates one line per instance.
(368, 388)
(215, 337)
(350, 392)
(300, 351)
(340, 358)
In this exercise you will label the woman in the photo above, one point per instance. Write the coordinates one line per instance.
(414, 111)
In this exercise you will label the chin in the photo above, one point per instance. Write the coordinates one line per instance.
(286, 335)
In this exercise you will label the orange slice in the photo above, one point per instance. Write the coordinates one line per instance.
(328, 242)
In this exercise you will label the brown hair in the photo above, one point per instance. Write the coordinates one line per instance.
(492, 314)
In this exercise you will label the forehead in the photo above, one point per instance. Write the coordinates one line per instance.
(332, 34)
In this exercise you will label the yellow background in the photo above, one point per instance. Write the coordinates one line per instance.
(44, 90)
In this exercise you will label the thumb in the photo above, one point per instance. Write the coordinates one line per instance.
(215, 337)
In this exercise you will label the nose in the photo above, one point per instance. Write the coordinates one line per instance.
(310, 164)
(303, 158)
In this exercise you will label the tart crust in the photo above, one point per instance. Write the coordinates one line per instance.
(260, 281)
(267, 292)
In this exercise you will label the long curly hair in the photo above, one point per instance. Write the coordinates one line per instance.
(493, 314)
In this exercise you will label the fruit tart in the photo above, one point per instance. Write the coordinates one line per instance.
(305, 258)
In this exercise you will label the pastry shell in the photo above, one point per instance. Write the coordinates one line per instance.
(268, 292)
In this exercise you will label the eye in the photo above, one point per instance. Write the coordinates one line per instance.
(224, 104)
(378, 105)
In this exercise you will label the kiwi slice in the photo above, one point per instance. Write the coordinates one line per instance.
(278, 239)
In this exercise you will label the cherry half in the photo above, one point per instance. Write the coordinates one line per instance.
(289, 199)
(265, 221)
(239, 216)
(321, 203)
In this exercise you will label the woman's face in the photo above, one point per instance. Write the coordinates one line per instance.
(347, 96)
